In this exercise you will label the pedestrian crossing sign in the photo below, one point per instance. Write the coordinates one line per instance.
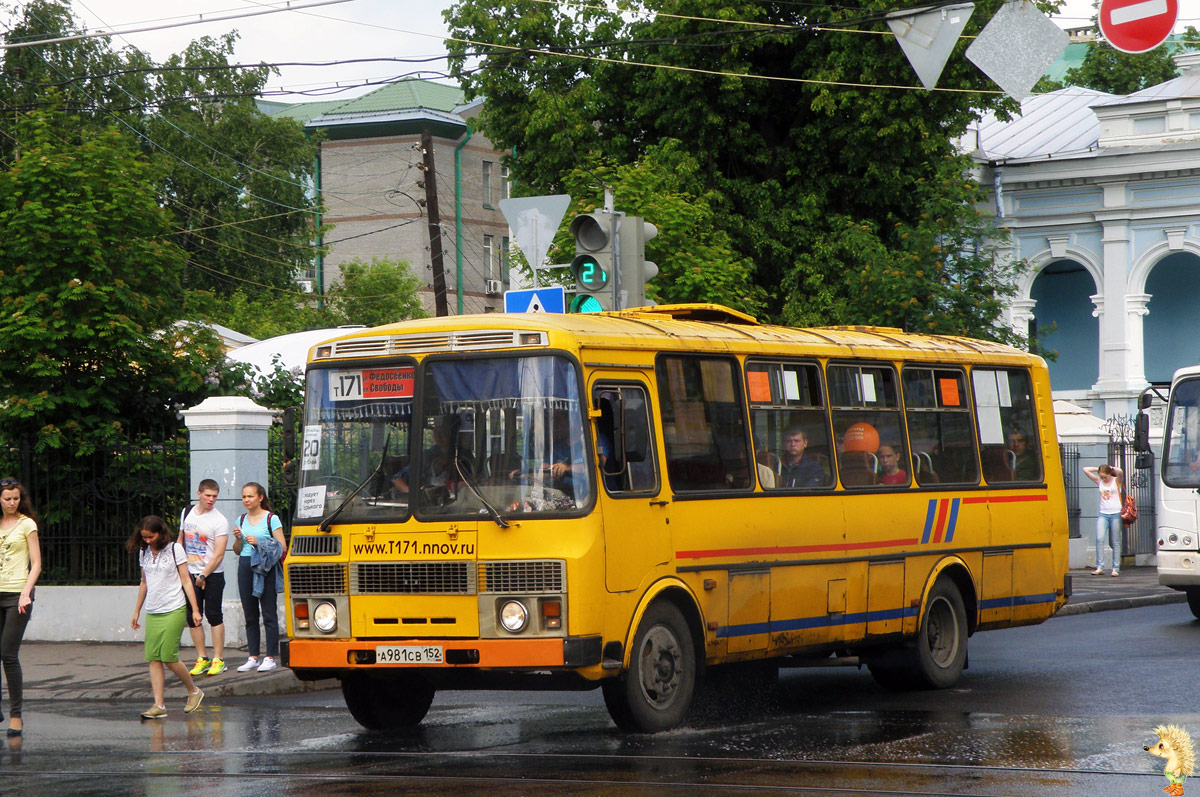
(536, 300)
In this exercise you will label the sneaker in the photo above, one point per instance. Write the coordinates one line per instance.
(218, 667)
(251, 664)
(1099, 571)
(267, 665)
(154, 712)
(202, 664)
(193, 701)
(1115, 573)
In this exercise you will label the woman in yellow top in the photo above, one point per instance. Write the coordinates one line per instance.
(20, 566)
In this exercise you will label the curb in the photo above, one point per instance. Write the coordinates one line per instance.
(1121, 603)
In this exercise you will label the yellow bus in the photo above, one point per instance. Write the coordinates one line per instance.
(623, 500)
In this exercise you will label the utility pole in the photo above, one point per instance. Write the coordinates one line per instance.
(441, 308)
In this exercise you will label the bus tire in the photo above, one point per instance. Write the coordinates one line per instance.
(387, 703)
(655, 693)
(936, 658)
(1193, 600)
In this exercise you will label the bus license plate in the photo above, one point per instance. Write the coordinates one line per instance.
(408, 654)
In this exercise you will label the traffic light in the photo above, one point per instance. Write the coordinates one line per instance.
(635, 268)
(592, 267)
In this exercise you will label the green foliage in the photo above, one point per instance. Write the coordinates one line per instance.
(379, 292)
(1107, 69)
(89, 295)
(803, 182)
(235, 180)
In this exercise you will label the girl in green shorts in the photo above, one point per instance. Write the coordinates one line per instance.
(166, 591)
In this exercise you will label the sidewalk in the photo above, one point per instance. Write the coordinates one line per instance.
(116, 671)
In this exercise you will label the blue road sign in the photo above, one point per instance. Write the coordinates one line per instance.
(536, 300)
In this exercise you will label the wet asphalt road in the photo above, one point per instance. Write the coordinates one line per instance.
(1062, 708)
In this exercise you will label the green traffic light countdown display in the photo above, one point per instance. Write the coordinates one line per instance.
(589, 275)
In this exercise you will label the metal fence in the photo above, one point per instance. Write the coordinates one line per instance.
(1139, 537)
(1069, 453)
(87, 506)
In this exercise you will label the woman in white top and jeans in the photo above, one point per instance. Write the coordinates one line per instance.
(1108, 521)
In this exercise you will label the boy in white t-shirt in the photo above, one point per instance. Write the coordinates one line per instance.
(204, 532)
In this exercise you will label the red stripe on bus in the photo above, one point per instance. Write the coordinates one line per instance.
(940, 526)
(718, 552)
(1006, 499)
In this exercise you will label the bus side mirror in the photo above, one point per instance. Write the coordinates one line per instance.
(1144, 400)
(1141, 434)
(1143, 460)
(291, 473)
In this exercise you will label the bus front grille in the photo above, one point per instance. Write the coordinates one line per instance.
(317, 579)
(316, 545)
(412, 578)
(523, 576)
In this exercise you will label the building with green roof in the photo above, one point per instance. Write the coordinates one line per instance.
(373, 181)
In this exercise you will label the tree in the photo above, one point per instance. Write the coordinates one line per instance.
(789, 165)
(236, 180)
(379, 292)
(1107, 69)
(90, 293)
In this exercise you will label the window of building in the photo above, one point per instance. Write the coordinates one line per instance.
(489, 247)
(504, 259)
(938, 408)
(505, 182)
(704, 431)
(1150, 124)
(867, 427)
(791, 428)
(486, 188)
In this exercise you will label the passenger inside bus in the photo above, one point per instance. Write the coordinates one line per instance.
(795, 469)
(890, 471)
(436, 465)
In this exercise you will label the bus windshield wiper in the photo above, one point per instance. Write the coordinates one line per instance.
(324, 525)
(501, 522)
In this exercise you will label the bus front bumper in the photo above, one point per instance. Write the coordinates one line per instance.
(332, 655)
(1178, 569)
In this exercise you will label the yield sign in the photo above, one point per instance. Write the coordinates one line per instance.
(534, 220)
(1135, 26)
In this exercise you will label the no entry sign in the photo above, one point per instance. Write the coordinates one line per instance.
(1135, 26)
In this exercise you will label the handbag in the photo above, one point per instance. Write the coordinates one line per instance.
(1128, 510)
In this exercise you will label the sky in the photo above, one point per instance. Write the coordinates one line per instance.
(354, 29)
(351, 30)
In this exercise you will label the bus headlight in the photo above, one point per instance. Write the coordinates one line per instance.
(514, 617)
(1173, 539)
(325, 617)
(1187, 541)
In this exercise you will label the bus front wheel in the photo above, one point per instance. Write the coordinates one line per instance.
(398, 701)
(937, 656)
(1193, 599)
(655, 693)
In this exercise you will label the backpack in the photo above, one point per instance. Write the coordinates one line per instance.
(270, 514)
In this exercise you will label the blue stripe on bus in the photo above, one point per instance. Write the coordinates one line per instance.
(802, 623)
(930, 516)
(953, 519)
(1017, 600)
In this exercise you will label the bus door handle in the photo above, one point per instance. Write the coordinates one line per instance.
(664, 503)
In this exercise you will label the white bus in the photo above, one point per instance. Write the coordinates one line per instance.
(1178, 507)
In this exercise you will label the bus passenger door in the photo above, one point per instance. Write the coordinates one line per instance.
(636, 534)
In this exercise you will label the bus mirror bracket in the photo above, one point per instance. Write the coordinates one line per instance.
(291, 476)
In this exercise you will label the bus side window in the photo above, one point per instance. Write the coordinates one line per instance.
(704, 432)
(625, 440)
(938, 409)
(1004, 410)
(864, 400)
(789, 424)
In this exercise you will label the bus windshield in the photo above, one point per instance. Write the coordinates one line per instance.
(502, 435)
(1181, 438)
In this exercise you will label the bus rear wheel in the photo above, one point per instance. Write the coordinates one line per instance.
(400, 700)
(655, 693)
(1193, 599)
(936, 658)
